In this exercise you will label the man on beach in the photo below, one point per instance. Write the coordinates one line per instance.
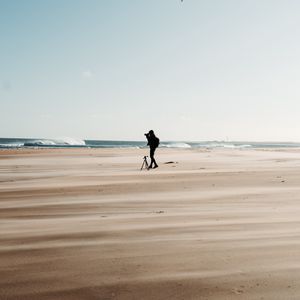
(153, 143)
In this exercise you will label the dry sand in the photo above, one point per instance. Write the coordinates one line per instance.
(88, 224)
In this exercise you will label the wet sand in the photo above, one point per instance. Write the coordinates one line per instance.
(88, 224)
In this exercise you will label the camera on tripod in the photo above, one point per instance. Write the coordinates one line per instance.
(145, 163)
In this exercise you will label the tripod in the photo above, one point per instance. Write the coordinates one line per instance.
(145, 164)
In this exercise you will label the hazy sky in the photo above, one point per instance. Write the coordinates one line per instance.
(191, 70)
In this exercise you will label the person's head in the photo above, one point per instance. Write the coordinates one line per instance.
(150, 134)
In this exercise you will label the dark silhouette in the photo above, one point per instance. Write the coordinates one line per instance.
(153, 143)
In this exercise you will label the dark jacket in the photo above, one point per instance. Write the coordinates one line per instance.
(153, 141)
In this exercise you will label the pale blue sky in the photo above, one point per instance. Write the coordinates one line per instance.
(197, 70)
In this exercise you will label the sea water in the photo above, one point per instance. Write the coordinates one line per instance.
(76, 143)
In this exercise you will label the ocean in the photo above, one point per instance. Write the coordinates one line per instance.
(6, 143)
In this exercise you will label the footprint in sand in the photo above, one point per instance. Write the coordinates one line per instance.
(237, 291)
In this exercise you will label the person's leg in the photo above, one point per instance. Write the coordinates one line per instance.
(153, 161)
(155, 164)
(152, 157)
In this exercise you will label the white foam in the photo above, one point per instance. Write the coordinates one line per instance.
(43, 142)
(223, 145)
(176, 145)
(236, 146)
(69, 141)
(66, 141)
(15, 145)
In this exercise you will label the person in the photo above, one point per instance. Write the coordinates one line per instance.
(153, 143)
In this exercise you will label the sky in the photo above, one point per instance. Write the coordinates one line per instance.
(192, 71)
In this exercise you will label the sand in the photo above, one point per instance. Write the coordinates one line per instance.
(88, 224)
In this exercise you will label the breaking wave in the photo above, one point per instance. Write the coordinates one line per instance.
(223, 145)
(61, 142)
(175, 145)
(12, 145)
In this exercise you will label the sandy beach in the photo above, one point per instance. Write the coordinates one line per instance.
(207, 224)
